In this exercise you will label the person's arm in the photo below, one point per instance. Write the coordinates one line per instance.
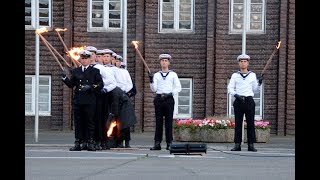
(232, 85)
(255, 84)
(128, 82)
(153, 84)
(110, 82)
(176, 84)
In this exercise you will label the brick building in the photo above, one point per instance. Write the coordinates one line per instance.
(204, 38)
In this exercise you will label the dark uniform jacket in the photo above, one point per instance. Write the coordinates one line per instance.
(127, 114)
(79, 79)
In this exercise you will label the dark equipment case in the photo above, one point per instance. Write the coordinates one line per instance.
(188, 148)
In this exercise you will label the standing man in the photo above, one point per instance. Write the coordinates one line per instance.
(165, 84)
(243, 84)
(87, 82)
(125, 84)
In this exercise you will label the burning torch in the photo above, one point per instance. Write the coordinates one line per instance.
(65, 46)
(270, 59)
(135, 43)
(49, 46)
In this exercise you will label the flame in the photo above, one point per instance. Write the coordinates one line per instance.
(278, 46)
(135, 43)
(112, 125)
(41, 30)
(59, 29)
(74, 52)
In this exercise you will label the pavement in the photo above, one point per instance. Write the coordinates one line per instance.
(65, 139)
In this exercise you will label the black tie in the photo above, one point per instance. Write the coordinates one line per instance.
(84, 69)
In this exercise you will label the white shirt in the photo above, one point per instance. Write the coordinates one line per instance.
(243, 86)
(109, 82)
(84, 68)
(123, 78)
(169, 84)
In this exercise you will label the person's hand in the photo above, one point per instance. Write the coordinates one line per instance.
(86, 87)
(64, 73)
(260, 79)
(239, 98)
(150, 77)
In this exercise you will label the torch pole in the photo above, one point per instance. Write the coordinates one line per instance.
(144, 62)
(270, 58)
(55, 57)
(58, 53)
(65, 47)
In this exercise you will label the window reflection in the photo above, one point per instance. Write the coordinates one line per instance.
(167, 24)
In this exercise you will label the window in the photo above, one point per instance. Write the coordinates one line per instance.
(255, 16)
(176, 16)
(105, 15)
(37, 13)
(183, 100)
(44, 98)
(258, 99)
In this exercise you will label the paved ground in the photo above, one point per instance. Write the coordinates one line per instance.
(50, 158)
(143, 140)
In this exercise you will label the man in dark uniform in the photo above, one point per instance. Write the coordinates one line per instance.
(165, 84)
(87, 82)
(243, 84)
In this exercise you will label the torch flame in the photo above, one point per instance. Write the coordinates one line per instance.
(135, 43)
(41, 30)
(59, 29)
(112, 125)
(74, 52)
(278, 46)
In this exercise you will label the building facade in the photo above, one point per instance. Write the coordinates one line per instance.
(203, 37)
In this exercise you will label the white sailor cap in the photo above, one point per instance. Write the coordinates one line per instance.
(243, 56)
(114, 55)
(164, 56)
(91, 49)
(118, 57)
(84, 53)
(108, 51)
(100, 52)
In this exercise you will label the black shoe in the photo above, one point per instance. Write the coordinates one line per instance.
(126, 144)
(168, 146)
(251, 147)
(97, 146)
(84, 146)
(76, 146)
(119, 145)
(156, 146)
(91, 145)
(237, 147)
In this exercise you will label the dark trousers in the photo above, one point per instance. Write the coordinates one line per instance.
(99, 117)
(164, 108)
(114, 100)
(83, 121)
(246, 108)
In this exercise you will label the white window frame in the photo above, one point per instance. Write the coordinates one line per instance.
(176, 18)
(176, 100)
(106, 19)
(232, 30)
(259, 116)
(35, 17)
(33, 88)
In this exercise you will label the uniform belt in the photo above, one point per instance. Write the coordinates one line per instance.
(246, 97)
(164, 95)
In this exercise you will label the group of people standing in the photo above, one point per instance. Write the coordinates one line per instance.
(102, 92)
(102, 96)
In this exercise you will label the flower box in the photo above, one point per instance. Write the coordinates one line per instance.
(211, 130)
